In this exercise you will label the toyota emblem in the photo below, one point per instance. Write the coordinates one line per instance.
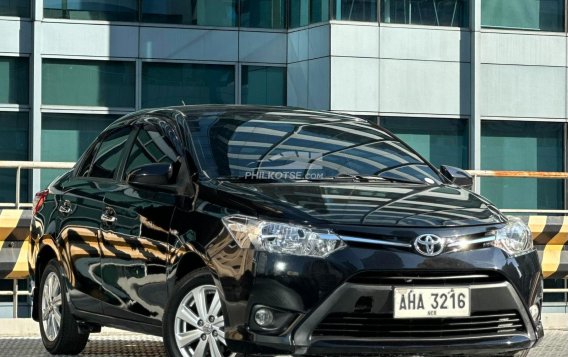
(429, 245)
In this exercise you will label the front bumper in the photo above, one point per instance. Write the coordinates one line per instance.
(316, 290)
(495, 307)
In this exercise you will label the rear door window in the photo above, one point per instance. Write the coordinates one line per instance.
(107, 158)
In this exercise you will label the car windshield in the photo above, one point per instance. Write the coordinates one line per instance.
(301, 145)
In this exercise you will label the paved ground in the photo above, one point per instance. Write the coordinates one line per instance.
(99, 346)
(555, 344)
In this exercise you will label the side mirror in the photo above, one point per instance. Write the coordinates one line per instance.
(457, 176)
(152, 175)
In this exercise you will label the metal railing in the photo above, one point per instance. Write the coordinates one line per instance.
(31, 165)
(28, 165)
(15, 293)
(523, 174)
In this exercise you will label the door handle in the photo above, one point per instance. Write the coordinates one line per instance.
(65, 207)
(108, 216)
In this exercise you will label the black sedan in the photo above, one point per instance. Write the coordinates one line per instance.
(270, 230)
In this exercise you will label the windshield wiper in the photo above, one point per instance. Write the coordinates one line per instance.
(363, 178)
(252, 179)
(340, 177)
(401, 180)
(344, 177)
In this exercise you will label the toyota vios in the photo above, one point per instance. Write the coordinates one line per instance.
(267, 230)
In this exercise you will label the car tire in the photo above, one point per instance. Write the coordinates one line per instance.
(59, 330)
(193, 320)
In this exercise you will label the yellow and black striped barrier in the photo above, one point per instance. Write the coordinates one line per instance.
(550, 236)
(14, 243)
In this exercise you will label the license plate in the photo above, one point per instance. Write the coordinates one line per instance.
(431, 302)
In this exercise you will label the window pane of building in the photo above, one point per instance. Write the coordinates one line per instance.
(214, 12)
(64, 138)
(526, 146)
(14, 80)
(19, 8)
(319, 11)
(191, 12)
(426, 12)
(440, 141)
(355, 10)
(88, 83)
(299, 13)
(167, 11)
(14, 139)
(263, 13)
(543, 15)
(263, 85)
(176, 83)
(107, 10)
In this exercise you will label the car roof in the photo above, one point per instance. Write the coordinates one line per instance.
(197, 112)
(258, 109)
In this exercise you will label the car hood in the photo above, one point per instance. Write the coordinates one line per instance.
(367, 204)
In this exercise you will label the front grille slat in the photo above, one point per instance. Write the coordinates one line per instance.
(385, 326)
(461, 324)
(478, 323)
(421, 278)
(472, 324)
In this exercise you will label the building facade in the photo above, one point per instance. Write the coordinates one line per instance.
(479, 84)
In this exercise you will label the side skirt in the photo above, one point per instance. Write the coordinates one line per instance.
(133, 326)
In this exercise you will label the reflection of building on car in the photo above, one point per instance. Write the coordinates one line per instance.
(158, 229)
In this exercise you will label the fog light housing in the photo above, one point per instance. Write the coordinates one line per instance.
(535, 312)
(263, 317)
(270, 321)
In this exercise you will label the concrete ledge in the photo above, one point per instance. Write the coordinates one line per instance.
(30, 328)
(555, 321)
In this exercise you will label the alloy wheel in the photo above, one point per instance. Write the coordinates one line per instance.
(199, 324)
(51, 306)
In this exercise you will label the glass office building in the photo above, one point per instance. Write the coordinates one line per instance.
(487, 92)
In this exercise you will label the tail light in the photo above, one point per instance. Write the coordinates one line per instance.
(39, 200)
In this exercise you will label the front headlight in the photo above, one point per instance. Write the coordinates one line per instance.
(515, 238)
(282, 238)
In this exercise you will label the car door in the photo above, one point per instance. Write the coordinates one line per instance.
(79, 210)
(136, 230)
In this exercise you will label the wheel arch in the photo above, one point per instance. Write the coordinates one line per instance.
(188, 263)
(45, 254)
